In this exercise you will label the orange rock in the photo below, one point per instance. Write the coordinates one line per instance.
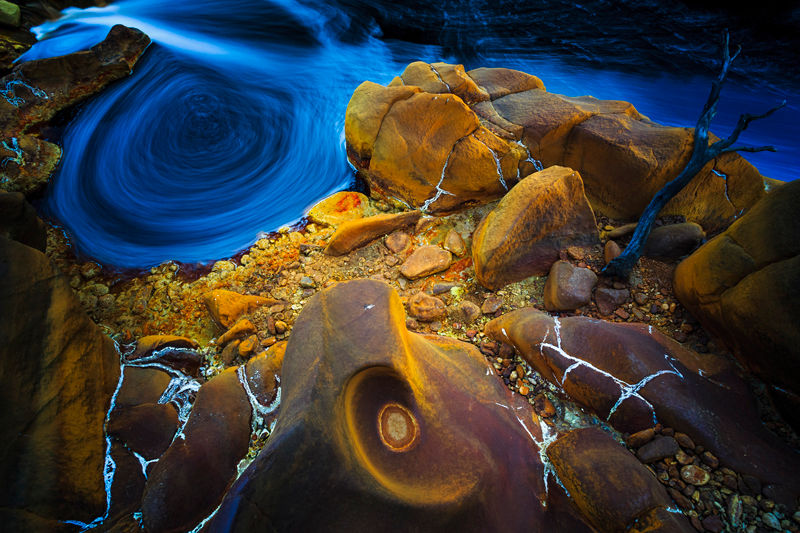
(410, 424)
(498, 82)
(425, 307)
(397, 242)
(568, 287)
(243, 328)
(743, 285)
(353, 234)
(545, 213)
(152, 343)
(339, 207)
(454, 243)
(28, 168)
(249, 346)
(142, 385)
(263, 374)
(611, 250)
(226, 307)
(424, 261)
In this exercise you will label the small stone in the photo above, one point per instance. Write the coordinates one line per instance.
(435, 325)
(640, 298)
(230, 352)
(680, 336)
(391, 260)
(694, 475)
(443, 287)
(524, 390)
(710, 459)
(640, 438)
(576, 253)
(622, 231)
(713, 523)
(609, 299)
(471, 333)
(657, 449)
(425, 261)
(249, 346)
(467, 312)
(771, 521)
(543, 406)
(683, 458)
(568, 287)
(398, 241)
(491, 305)
(611, 251)
(90, 270)
(454, 243)
(280, 327)
(425, 307)
(269, 341)
(412, 324)
(696, 523)
(242, 329)
(620, 312)
(307, 282)
(682, 501)
(684, 440)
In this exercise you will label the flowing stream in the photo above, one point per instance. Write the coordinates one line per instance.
(232, 123)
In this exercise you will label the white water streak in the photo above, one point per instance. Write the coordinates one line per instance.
(496, 162)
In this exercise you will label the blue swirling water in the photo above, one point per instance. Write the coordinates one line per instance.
(232, 122)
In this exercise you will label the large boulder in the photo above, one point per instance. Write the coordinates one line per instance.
(744, 286)
(442, 139)
(58, 373)
(632, 376)
(381, 428)
(521, 237)
(19, 222)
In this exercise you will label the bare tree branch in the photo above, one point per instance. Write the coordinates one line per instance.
(702, 153)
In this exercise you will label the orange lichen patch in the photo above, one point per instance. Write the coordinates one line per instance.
(339, 207)
(456, 270)
(397, 427)
(348, 201)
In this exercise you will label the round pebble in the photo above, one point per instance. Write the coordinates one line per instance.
(694, 475)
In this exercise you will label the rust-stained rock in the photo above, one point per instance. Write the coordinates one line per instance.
(545, 213)
(28, 163)
(454, 243)
(498, 82)
(633, 376)
(425, 307)
(397, 242)
(58, 372)
(611, 251)
(141, 385)
(339, 207)
(674, 240)
(147, 429)
(19, 222)
(242, 329)
(381, 428)
(568, 287)
(189, 480)
(171, 350)
(744, 286)
(263, 374)
(424, 261)
(226, 307)
(356, 233)
(153, 343)
(610, 487)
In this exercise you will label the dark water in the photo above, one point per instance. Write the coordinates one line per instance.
(232, 123)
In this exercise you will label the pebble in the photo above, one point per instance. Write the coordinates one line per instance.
(694, 475)
(491, 305)
(771, 521)
(683, 458)
(307, 283)
(658, 449)
(425, 307)
(543, 406)
(611, 251)
(467, 311)
(442, 287)
(90, 270)
(684, 440)
(454, 243)
(398, 241)
(424, 261)
(710, 459)
(640, 298)
(281, 326)
(713, 523)
(640, 438)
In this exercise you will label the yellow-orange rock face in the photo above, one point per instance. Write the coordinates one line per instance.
(381, 428)
(521, 237)
(353, 234)
(744, 286)
(226, 307)
(339, 207)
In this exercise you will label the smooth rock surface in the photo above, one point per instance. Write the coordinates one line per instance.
(424, 261)
(352, 234)
(568, 287)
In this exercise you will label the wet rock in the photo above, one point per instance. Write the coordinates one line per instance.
(147, 429)
(230, 352)
(622, 231)
(640, 438)
(307, 282)
(657, 449)
(612, 489)
(694, 475)
(189, 480)
(19, 222)
(375, 423)
(744, 287)
(545, 213)
(353, 234)
(339, 207)
(28, 163)
(263, 374)
(127, 486)
(425, 308)
(226, 307)
(58, 372)
(685, 441)
(713, 523)
(397, 242)
(491, 305)
(608, 300)
(153, 343)
(9, 13)
(568, 287)
(611, 250)
(467, 312)
(633, 376)
(141, 385)
(499, 82)
(454, 243)
(424, 261)
(674, 240)
(443, 78)
(249, 346)
(242, 329)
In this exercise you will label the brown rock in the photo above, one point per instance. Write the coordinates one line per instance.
(684, 440)
(622, 231)
(19, 222)
(491, 305)
(153, 343)
(694, 475)
(28, 163)
(631, 376)
(543, 406)
(425, 308)
(544, 214)
(181, 488)
(713, 523)
(226, 307)
(353, 234)
(610, 487)
(242, 329)
(498, 82)
(147, 429)
(674, 240)
(657, 449)
(611, 250)
(263, 375)
(467, 312)
(454, 243)
(640, 438)
(398, 242)
(609, 299)
(141, 385)
(249, 346)
(230, 352)
(424, 261)
(58, 372)
(744, 287)
(568, 287)
(339, 207)
(376, 386)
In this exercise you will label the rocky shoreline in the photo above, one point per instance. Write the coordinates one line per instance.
(365, 283)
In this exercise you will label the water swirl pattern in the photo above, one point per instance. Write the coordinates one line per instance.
(232, 122)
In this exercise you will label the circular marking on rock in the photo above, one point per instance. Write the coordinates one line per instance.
(397, 427)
